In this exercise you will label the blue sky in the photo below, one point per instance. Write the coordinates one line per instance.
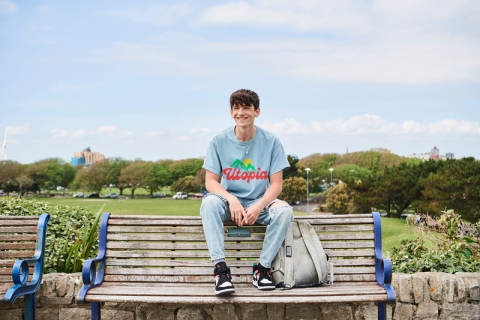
(152, 79)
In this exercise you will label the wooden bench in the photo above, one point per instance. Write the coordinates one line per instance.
(164, 259)
(22, 238)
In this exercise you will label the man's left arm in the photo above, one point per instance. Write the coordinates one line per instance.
(271, 194)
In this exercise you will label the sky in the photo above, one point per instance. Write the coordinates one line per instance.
(152, 79)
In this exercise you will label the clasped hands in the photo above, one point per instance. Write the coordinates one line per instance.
(243, 216)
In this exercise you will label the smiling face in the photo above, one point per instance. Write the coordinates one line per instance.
(243, 115)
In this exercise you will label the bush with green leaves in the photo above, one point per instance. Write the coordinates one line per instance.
(456, 246)
(72, 233)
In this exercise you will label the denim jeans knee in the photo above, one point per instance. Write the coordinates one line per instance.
(275, 234)
(213, 211)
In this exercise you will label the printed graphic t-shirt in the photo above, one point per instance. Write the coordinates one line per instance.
(245, 175)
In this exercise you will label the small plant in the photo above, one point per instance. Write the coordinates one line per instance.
(71, 232)
(456, 246)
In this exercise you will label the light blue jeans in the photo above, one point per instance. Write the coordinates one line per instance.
(215, 210)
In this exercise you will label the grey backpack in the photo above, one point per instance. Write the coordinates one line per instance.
(301, 260)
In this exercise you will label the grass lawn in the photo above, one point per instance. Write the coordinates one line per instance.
(393, 230)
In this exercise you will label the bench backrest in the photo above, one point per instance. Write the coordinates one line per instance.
(18, 237)
(173, 249)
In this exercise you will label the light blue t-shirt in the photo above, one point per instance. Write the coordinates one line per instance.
(245, 166)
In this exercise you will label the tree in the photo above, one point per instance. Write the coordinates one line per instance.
(115, 166)
(338, 199)
(295, 169)
(9, 170)
(200, 178)
(452, 184)
(182, 168)
(23, 182)
(158, 177)
(135, 175)
(91, 178)
(185, 184)
(293, 189)
(52, 172)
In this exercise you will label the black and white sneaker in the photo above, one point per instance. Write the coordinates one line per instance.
(223, 279)
(262, 278)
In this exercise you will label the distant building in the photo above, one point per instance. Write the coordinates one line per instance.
(87, 157)
(434, 154)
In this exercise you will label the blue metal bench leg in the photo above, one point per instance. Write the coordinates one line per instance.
(95, 310)
(382, 311)
(30, 306)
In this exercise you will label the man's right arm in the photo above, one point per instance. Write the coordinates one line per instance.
(236, 208)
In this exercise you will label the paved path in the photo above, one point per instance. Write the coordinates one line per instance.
(303, 208)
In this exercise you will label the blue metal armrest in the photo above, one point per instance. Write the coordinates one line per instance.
(93, 270)
(383, 266)
(20, 268)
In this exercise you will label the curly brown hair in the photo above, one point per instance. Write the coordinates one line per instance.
(245, 97)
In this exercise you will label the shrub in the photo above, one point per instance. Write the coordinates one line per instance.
(72, 233)
(456, 246)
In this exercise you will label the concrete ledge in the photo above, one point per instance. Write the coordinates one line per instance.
(428, 295)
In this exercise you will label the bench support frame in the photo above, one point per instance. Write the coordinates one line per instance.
(20, 272)
(383, 268)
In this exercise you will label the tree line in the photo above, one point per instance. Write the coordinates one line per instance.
(47, 174)
(359, 181)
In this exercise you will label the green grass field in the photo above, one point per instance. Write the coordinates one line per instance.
(393, 230)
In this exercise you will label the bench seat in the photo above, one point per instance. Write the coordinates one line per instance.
(164, 259)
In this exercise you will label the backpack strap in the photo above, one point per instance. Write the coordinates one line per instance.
(289, 279)
(312, 247)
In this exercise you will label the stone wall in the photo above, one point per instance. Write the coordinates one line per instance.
(419, 296)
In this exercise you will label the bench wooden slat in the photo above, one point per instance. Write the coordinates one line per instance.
(243, 290)
(207, 263)
(195, 229)
(8, 279)
(235, 299)
(22, 229)
(201, 237)
(5, 263)
(231, 254)
(208, 279)
(194, 221)
(228, 245)
(16, 254)
(16, 246)
(208, 271)
(18, 237)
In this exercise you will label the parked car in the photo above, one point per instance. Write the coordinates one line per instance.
(158, 195)
(198, 195)
(93, 195)
(180, 195)
(1, 193)
(112, 195)
(78, 195)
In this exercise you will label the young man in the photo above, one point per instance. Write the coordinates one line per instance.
(250, 161)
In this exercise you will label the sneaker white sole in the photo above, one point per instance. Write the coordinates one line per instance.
(266, 288)
(226, 291)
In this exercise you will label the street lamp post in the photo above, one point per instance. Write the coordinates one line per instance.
(331, 170)
(308, 170)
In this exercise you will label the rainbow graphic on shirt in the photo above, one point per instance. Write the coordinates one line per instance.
(244, 170)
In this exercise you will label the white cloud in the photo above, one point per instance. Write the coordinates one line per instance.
(151, 134)
(59, 133)
(200, 130)
(298, 15)
(16, 130)
(78, 133)
(7, 7)
(369, 124)
(114, 131)
(182, 138)
(159, 15)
